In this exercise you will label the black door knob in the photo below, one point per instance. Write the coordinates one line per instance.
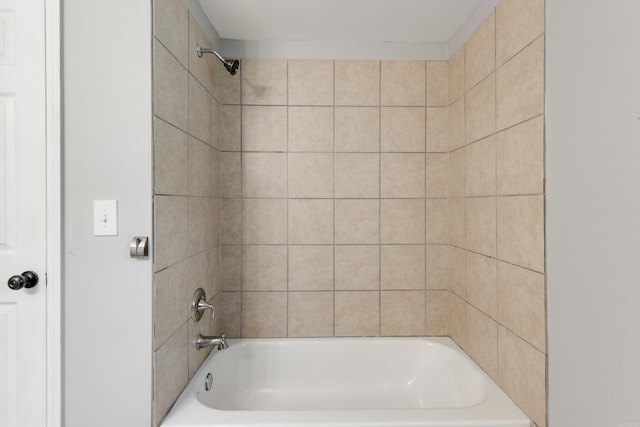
(28, 279)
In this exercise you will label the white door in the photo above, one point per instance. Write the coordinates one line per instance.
(23, 380)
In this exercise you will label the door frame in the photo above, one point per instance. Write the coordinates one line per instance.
(53, 63)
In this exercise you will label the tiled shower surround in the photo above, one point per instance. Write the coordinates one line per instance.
(334, 186)
(186, 197)
(356, 198)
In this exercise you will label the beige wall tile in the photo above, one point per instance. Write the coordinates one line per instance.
(403, 83)
(200, 68)
(264, 81)
(264, 175)
(402, 267)
(482, 283)
(215, 268)
(437, 175)
(481, 168)
(311, 175)
(171, 27)
(264, 268)
(458, 320)
(357, 83)
(311, 129)
(310, 82)
(264, 314)
(215, 124)
(215, 173)
(480, 52)
(437, 129)
(437, 225)
(201, 228)
(357, 267)
(230, 174)
(481, 225)
(357, 129)
(171, 372)
(199, 168)
(229, 313)
(310, 268)
(231, 273)
(264, 221)
(357, 314)
(457, 222)
(437, 313)
(216, 77)
(310, 221)
(171, 302)
(457, 132)
(402, 175)
(438, 266)
(199, 111)
(171, 230)
(457, 174)
(357, 175)
(230, 128)
(402, 221)
(520, 158)
(357, 221)
(521, 231)
(482, 340)
(230, 221)
(521, 370)
(520, 86)
(437, 83)
(402, 313)
(264, 128)
(480, 113)
(310, 314)
(458, 271)
(201, 274)
(521, 303)
(518, 23)
(230, 86)
(403, 129)
(170, 88)
(456, 76)
(171, 157)
(215, 222)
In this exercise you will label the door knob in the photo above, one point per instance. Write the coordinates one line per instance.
(28, 279)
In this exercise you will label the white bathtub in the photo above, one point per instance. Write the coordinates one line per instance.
(340, 382)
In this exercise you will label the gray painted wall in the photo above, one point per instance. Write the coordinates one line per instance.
(593, 212)
(107, 155)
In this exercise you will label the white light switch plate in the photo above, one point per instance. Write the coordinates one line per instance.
(105, 217)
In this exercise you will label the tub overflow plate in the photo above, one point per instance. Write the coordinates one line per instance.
(208, 382)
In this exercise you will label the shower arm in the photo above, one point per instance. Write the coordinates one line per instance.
(202, 50)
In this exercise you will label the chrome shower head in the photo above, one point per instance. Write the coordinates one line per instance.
(231, 65)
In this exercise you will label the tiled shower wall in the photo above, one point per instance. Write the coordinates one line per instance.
(334, 199)
(496, 89)
(186, 199)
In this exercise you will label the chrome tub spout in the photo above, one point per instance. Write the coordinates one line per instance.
(218, 342)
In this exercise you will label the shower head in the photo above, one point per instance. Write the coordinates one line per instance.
(231, 65)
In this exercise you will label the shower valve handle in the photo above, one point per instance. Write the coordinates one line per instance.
(199, 304)
(203, 305)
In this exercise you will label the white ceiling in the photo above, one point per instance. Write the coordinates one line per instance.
(405, 21)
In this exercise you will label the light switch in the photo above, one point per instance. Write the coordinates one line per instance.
(105, 217)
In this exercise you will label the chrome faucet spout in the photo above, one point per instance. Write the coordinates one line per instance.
(219, 343)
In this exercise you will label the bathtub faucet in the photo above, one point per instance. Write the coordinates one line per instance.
(218, 342)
